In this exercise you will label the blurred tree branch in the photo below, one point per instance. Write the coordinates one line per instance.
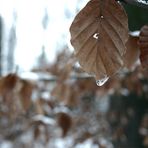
(139, 3)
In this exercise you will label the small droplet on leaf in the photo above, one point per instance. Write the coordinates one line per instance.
(96, 36)
(102, 81)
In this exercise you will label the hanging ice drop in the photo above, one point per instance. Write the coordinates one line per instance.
(102, 81)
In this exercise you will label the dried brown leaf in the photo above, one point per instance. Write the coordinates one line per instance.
(9, 82)
(65, 122)
(63, 66)
(26, 93)
(98, 34)
(66, 93)
(60, 91)
(132, 53)
(36, 132)
(8, 85)
(143, 44)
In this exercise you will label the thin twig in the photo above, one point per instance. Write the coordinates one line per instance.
(139, 3)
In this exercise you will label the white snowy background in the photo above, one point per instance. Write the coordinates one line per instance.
(27, 16)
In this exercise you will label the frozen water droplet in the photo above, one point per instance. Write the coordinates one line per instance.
(102, 81)
(96, 36)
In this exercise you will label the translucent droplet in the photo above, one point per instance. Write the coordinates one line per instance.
(96, 35)
(102, 81)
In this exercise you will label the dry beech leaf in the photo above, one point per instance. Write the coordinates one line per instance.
(26, 94)
(132, 53)
(8, 83)
(40, 128)
(98, 34)
(143, 44)
(65, 122)
(66, 93)
(36, 132)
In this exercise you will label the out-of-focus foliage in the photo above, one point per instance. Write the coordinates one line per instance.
(132, 52)
(143, 44)
(68, 108)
